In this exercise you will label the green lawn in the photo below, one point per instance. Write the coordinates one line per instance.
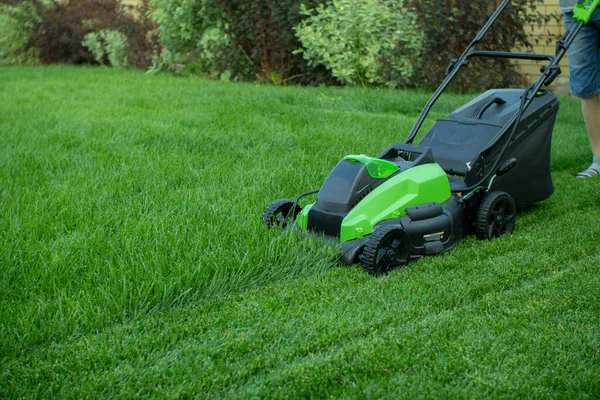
(134, 263)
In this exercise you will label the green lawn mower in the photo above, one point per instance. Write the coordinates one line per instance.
(469, 174)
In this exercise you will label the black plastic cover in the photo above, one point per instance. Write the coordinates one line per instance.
(344, 188)
(455, 143)
(467, 148)
(346, 185)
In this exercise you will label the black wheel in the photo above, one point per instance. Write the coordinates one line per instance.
(496, 216)
(388, 247)
(277, 213)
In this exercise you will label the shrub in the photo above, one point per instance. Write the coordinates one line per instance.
(263, 31)
(140, 30)
(366, 42)
(192, 36)
(107, 45)
(17, 25)
(244, 39)
(449, 27)
(63, 25)
(93, 42)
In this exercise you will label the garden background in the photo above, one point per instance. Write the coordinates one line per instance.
(390, 43)
(134, 262)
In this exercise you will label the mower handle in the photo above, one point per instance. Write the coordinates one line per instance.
(584, 9)
(582, 15)
(455, 68)
(487, 103)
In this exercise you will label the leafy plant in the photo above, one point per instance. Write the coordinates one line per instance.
(94, 44)
(262, 30)
(365, 42)
(241, 39)
(238, 39)
(107, 44)
(193, 38)
(63, 26)
(140, 30)
(17, 24)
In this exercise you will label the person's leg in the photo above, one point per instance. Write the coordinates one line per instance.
(584, 66)
(591, 115)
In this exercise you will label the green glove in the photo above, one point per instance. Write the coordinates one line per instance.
(584, 9)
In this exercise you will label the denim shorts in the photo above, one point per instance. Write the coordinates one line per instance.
(584, 57)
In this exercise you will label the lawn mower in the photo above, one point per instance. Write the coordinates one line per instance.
(469, 173)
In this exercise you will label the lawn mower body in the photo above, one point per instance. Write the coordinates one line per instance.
(426, 195)
(468, 174)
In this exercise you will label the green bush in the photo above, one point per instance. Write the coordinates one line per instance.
(362, 42)
(17, 25)
(242, 39)
(108, 45)
(263, 31)
(193, 38)
(94, 43)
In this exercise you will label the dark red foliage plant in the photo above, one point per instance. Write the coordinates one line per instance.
(450, 25)
(263, 31)
(64, 23)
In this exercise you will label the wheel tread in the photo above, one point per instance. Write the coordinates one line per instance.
(369, 255)
(481, 221)
(276, 207)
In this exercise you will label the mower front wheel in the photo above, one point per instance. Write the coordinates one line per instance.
(279, 213)
(388, 247)
(496, 216)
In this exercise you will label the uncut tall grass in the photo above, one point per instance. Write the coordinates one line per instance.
(122, 193)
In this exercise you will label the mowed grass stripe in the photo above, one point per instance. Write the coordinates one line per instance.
(324, 337)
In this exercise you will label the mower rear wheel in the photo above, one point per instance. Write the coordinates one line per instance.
(278, 213)
(388, 247)
(496, 216)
